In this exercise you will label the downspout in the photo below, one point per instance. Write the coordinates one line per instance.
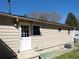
(17, 26)
(16, 22)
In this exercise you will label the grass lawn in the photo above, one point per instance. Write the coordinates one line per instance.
(71, 55)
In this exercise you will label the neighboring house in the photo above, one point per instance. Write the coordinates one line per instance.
(23, 33)
(76, 34)
(76, 37)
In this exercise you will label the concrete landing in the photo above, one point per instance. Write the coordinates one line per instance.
(31, 54)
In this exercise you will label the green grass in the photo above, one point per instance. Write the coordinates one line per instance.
(71, 55)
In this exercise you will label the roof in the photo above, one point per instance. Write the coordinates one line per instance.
(34, 19)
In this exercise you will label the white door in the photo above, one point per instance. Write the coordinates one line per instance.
(25, 41)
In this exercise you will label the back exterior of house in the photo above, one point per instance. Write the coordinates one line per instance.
(22, 34)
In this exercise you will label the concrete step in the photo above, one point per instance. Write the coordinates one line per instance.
(30, 54)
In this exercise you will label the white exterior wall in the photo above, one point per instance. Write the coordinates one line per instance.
(51, 38)
(9, 33)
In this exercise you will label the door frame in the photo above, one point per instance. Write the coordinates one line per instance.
(27, 24)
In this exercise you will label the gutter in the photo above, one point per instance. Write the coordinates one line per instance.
(33, 19)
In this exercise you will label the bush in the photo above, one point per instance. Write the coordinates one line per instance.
(69, 46)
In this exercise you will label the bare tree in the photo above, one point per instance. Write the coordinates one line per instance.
(39, 15)
(54, 17)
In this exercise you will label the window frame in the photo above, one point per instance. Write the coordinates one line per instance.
(59, 29)
(25, 34)
(32, 30)
(69, 31)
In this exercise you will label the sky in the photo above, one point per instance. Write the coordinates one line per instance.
(21, 7)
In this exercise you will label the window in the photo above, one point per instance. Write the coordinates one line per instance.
(68, 31)
(76, 34)
(59, 29)
(36, 30)
(24, 31)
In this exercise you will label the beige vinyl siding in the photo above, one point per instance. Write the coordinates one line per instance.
(50, 37)
(8, 33)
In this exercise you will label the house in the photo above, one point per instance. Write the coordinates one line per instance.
(76, 37)
(76, 34)
(23, 34)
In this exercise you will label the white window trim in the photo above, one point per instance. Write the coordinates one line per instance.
(20, 28)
